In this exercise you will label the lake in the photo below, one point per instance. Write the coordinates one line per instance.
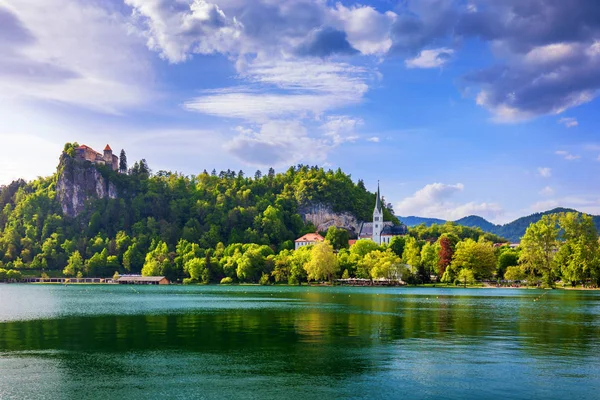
(252, 342)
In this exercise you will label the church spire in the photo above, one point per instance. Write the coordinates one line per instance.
(378, 201)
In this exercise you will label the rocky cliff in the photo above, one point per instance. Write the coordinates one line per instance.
(322, 217)
(78, 182)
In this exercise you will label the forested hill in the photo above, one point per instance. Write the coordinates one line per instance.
(94, 210)
(512, 231)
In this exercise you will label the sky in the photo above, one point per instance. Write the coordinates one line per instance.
(457, 107)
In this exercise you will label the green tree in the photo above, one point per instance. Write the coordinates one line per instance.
(384, 264)
(74, 265)
(429, 258)
(579, 255)
(538, 249)
(338, 237)
(477, 257)
(412, 252)
(514, 273)
(323, 262)
(123, 162)
(508, 258)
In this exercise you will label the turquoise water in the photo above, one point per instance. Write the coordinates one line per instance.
(125, 342)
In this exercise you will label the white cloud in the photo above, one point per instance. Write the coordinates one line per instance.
(368, 30)
(566, 155)
(341, 128)
(568, 122)
(287, 89)
(277, 143)
(374, 139)
(587, 204)
(86, 57)
(544, 172)
(433, 58)
(547, 191)
(177, 30)
(433, 201)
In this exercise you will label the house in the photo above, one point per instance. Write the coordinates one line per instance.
(142, 280)
(380, 231)
(308, 239)
(86, 153)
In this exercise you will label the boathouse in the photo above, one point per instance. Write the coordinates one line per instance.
(142, 280)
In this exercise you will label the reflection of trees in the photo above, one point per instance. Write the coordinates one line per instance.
(322, 331)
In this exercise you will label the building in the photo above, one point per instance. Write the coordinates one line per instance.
(308, 239)
(142, 280)
(84, 152)
(379, 231)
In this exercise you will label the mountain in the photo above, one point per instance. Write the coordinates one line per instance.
(512, 231)
(414, 221)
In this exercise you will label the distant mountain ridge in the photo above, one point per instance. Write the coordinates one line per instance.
(512, 231)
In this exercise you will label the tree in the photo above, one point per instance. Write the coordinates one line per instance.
(157, 261)
(74, 265)
(538, 249)
(514, 273)
(323, 262)
(397, 245)
(338, 237)
(507, 258)
(429, 258)
(194, 268)
(477, 257)
(123, 162)
(466, 276)
(412, 252)
(384, 264)
(445, 254)
(579, 255)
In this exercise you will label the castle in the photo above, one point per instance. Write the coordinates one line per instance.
(379, 231)
(84, 152)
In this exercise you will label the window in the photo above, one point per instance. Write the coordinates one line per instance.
(376, 218)
(376, 226)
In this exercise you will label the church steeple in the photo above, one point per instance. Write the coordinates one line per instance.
(378, 206)
(377, 218)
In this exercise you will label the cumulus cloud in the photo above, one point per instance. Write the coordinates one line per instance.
(566, 155)
(433, 58)
(568, 122)
(433, 201)
(544, 172)
(374, 139)
(177, 29)
(549, 57)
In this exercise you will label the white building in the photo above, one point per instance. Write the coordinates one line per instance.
(308, 239)
(379, 231)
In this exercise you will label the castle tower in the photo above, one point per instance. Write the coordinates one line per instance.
(377, 218)
(108, 155)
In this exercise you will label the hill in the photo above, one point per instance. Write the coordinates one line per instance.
(88, 208)
(512, 231)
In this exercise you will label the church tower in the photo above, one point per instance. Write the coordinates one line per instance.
(377, 218)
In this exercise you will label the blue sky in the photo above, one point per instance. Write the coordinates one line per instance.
(458, 107)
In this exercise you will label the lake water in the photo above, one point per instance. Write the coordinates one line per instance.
(145, 342)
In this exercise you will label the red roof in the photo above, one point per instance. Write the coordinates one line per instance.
(311, 237)
(107, 148)
(351, 242)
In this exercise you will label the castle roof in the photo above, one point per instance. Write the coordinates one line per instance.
(311, 237)
(107, 148)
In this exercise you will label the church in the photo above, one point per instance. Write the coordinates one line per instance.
(379, 231)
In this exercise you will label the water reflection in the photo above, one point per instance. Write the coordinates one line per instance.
(333, 341)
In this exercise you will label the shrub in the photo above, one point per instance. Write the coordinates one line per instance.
(226, 281)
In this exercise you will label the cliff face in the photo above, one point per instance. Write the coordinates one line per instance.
(78, 182)
(322, 216)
